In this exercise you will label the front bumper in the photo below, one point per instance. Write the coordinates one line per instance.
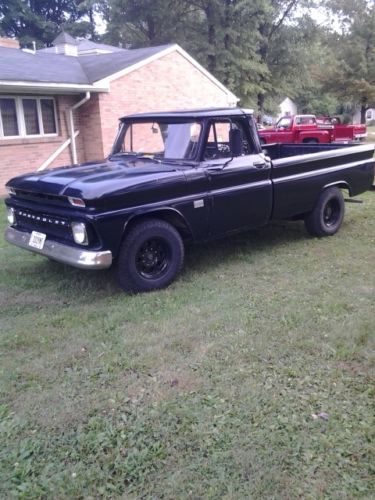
(77, 257)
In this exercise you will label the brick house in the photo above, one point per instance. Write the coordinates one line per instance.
(61, 105)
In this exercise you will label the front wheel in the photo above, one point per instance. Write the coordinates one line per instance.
(151, 256)
(328, 213)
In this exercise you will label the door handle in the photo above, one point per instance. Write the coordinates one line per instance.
(259, 164)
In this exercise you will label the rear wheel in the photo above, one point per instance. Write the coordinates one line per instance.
(151, 256)
(328, 213)
(310, 141)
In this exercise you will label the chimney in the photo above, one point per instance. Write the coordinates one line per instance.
(9, 43)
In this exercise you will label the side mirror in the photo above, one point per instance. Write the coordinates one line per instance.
(236, 141)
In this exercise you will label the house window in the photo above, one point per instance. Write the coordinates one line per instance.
(27, 117)
(9, 117)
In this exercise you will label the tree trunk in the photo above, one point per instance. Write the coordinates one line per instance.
(211, 31)
(363, 110)
(261, 99)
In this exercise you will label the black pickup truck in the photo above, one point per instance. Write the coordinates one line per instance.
(178, 177)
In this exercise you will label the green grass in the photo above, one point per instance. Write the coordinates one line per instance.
(209, 388)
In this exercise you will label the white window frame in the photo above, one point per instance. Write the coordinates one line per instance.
(21, 118)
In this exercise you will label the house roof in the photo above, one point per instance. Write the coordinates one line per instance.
(17, 65)
(46, 69)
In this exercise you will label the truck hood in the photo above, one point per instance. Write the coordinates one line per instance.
(95, 180)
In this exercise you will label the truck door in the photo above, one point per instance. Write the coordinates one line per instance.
(240, 189)
(284, 131)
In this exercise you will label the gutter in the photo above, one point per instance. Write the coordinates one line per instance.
(73, 134)
(58, 88)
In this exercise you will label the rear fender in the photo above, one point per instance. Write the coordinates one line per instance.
(340, 185)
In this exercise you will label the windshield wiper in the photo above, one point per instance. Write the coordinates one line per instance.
(122, 153)
(148, 157)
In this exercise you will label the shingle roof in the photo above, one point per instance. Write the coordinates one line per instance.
(103, 65)
(45, 67)
(19, 66)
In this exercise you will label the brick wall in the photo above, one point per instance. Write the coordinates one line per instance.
(90, 121)
(10, 43)
(18, 156)
(169, 83)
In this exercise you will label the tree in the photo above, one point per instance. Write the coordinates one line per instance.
(41, 20)
(352, 74)
(221, 34)
(140, 23)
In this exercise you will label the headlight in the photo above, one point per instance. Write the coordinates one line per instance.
(79, 233)
(11, 216)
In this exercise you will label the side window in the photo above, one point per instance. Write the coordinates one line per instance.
(284, 122)
(221, 137)
(218, 145)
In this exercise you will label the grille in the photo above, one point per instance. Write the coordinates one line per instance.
(46, 223)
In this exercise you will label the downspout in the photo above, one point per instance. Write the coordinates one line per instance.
(72, 132)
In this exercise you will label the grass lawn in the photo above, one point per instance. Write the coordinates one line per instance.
(250, 377)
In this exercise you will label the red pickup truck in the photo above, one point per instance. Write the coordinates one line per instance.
(307, 129)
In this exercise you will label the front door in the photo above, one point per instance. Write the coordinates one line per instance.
(240, 188)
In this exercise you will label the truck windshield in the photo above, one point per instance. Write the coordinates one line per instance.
(158, 140)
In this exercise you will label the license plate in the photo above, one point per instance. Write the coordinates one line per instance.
(37, 240)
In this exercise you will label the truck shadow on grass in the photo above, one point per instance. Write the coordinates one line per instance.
(250, 244)
(199, 258)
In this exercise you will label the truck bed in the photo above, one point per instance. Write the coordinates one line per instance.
(301, 171)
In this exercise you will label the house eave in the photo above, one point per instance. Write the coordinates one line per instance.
(57, 88)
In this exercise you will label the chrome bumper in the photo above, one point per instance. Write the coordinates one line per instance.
(73, 256)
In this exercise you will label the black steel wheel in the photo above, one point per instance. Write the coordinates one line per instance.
(327, 216)
(151, 256)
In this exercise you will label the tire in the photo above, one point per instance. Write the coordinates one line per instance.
(310, 141)
(150, 257)
(327, 216)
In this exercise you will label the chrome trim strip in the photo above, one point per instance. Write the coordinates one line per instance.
(241, 187)
(333, 153)
(313, 173)
(73, 256)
